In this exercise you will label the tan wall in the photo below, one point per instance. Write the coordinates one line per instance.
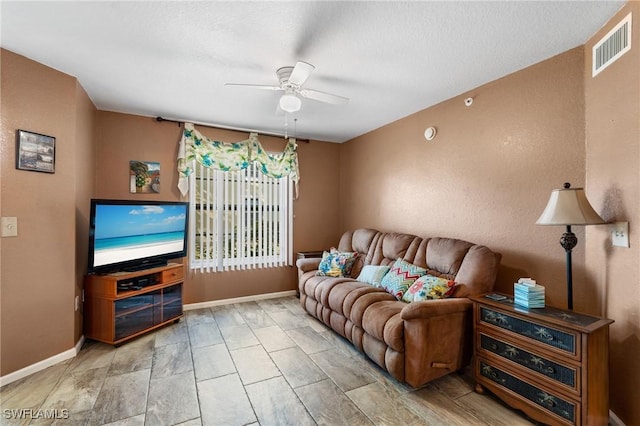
(126, 137)
(39, 278)
(487, 175)
(85, 186)
(613, 182)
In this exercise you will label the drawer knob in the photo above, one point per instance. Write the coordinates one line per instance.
(494, 347)
(551, 370)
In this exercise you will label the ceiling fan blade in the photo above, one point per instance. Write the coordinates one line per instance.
(323, 97)
(255, 86)
(301, 73)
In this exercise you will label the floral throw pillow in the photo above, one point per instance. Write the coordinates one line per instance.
(400, 277)
(373, 274)
(335, 263)
(429, 287)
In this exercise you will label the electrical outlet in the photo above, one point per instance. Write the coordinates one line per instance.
(620, 234)
(9, 226)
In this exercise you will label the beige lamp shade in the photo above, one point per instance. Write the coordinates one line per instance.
(569, 206)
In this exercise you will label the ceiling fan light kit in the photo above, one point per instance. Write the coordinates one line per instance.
(289, 102)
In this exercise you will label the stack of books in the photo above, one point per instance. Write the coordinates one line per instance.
(528, 294)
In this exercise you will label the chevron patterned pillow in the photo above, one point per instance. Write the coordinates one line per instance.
(400, 277)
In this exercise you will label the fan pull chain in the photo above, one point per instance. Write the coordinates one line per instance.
(286, 125)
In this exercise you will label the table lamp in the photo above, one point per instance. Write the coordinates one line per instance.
(569, 206)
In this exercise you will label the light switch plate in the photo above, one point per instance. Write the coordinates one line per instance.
(620, 234)
(9, 226)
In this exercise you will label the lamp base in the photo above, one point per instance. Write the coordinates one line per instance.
(568, 241)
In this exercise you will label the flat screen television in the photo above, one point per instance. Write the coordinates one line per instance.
(129, 235)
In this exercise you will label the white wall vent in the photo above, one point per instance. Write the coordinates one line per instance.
(616, 43)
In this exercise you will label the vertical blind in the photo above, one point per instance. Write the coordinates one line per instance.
(242, 219)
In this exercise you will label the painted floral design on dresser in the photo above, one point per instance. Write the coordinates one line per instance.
(489, 372)
(510, 351)
(546, 399)
(542, 333)
(496, 318)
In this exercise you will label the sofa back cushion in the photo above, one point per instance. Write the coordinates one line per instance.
(473, 267)
(478, 271)
(362, 241)
(393, 246)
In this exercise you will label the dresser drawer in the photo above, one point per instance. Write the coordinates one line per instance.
(558, 340)
(563, 409)
(560, 374)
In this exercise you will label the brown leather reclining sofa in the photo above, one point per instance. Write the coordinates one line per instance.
(415, 342)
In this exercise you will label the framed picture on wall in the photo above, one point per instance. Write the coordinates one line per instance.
(144, 177)
(35, 152)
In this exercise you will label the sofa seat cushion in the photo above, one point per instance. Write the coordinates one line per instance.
(356, 309)
(339, 292)
(342, 296)
(318, 286)
(382, 321)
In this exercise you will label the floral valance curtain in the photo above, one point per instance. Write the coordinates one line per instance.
(233, 156)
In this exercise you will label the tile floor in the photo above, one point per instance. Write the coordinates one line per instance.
(261, 363)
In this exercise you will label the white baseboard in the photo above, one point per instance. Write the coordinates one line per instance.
(211, 303)
(614, 420)
(41, 365)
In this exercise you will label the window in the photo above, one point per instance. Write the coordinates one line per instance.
(240, 219)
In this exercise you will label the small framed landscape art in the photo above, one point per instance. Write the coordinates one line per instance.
(35, 152)
(144, 177)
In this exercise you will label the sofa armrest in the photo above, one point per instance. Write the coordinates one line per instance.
(438, 338)
(308, 264)
(433, 308)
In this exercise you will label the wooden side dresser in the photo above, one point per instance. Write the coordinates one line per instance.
(550, 363)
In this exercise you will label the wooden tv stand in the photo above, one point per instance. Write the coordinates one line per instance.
(123, 305)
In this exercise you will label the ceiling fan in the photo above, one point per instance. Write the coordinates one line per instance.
(291, 80)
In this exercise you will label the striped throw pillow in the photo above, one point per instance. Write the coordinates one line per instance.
(400, 277)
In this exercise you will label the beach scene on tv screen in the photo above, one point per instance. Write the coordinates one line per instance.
(130, 232)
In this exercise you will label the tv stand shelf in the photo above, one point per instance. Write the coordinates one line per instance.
(123, 305)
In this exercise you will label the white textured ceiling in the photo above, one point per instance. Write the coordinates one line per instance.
(390, 59)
